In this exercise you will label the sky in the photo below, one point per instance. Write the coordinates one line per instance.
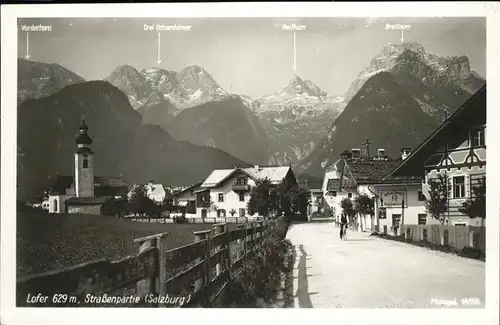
(251, 56)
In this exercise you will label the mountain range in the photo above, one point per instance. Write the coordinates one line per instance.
(37, 80)
(295, 118)
(396, 101)
(124, 146)
(280, 128)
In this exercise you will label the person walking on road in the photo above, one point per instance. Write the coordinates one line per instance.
(343, 226)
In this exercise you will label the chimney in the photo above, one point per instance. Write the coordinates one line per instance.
(356, 153)
(346, 154)
(405, 152)
(380, 153)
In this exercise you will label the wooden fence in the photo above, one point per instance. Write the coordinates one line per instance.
(209, 220)
(454, 236)
(194, 275)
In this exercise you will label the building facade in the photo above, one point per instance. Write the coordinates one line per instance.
(457, 151)
(395, 199)
(226, 192)
(187, 199)
(316, 201)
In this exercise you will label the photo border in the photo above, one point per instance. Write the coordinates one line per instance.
(12, 315)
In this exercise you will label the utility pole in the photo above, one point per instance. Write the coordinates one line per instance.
(367, 144)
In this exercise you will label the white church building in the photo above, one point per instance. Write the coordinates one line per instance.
(84, 193)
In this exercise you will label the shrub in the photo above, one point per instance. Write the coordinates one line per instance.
(260, 278)
(468, 252)
(180, 219)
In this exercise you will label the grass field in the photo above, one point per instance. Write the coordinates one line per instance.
(50, 242)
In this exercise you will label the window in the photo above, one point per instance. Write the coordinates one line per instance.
(478, 137)
(460, 223)
(221, 197)
(242, 213)
(55, 205)
(85, 162)
(333, 193)
(241, 181)
(422, 218)
(421, 196)
(349, 195)
(396, 219)
(459, 187)
(242, 197)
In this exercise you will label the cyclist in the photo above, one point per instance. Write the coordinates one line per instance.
(343, 226)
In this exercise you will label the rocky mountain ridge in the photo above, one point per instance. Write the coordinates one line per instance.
(124, 146)
(37, 79)
(456, 69)
(402, 78)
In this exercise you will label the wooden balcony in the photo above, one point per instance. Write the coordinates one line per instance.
(240, 187)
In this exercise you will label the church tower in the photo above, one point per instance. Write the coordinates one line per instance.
(84, 164)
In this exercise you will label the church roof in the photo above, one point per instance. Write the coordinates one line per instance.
(61, 184)
(86, 150)
(65, 182)
(83, 137)
(88, 200)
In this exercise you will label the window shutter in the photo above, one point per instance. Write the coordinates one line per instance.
(450, 187)
(468, 192)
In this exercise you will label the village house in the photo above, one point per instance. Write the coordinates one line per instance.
(316, 201)
(187, 199)
(226, 192)
(155, 192)
(84, 193)
(395, 198)
(457, 150)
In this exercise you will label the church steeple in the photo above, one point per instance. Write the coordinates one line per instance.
(83, 139)
(84, 163)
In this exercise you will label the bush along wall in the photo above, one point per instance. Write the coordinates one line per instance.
(468, 252)
(259, 283)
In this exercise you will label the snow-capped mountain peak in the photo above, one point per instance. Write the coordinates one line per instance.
(191, 86)
(413, 56)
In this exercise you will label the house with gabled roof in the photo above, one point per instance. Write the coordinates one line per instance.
(457, 150)
(187, 199)
(394, 197)
(226, 192)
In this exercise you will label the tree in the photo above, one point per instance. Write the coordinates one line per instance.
(264, 198)
(437, 203)
(170, 201)
(475, 207)
(347, 206)
(363, 204)
(140, 203)
(138, 200)
(299, 198)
